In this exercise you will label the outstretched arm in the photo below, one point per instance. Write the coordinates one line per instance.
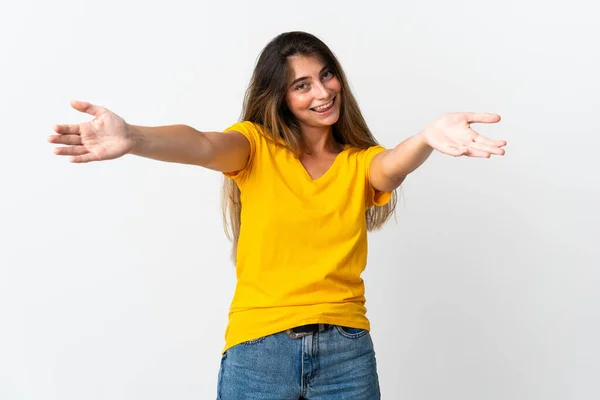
(221, 151)
(108, 136)
(450, 134)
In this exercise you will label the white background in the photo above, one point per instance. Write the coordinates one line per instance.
(115, 280)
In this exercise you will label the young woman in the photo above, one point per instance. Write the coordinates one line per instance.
(304, 181)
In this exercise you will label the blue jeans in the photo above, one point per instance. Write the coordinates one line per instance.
(334, 363)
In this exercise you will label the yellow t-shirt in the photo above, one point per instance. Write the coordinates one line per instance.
(303, 242)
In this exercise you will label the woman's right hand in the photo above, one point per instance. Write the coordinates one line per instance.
(105, 137)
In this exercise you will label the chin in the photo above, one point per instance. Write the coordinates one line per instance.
(331, 119)
(327, 121)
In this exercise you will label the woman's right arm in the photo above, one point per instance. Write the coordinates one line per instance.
(221, 151)
(108, 136)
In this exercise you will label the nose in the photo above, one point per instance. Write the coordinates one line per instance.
(320, 91)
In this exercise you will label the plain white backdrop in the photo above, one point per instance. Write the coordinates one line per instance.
(115, 279)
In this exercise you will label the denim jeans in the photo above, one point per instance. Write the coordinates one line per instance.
(333, 364)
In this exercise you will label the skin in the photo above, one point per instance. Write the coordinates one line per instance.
(108, 136)
(450, 134)
(312, 85)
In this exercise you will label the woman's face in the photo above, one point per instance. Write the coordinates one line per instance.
(314, 93)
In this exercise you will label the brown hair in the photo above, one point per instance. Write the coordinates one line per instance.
(265, 104)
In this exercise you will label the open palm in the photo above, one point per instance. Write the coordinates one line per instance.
(106, 137)
(452, 134)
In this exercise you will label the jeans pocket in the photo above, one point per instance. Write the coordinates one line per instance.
(351, 333)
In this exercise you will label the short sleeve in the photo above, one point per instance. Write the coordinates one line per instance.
(374, 197)
(251, 132)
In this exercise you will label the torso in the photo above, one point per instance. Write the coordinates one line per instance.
(303, 242)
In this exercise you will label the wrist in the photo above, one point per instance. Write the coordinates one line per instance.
(422, 138)
(135, 137)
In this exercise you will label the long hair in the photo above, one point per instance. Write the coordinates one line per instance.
(264, 104)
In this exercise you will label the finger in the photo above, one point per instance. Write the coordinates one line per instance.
(72, 129)
(487, 141)
(88, 108)
(487, 118)
(84, 158)
(65, 139)
(486, 148)
(70, 151)
(471, 152)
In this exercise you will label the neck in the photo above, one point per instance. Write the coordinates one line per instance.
(320, 140)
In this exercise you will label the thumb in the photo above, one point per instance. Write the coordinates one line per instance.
(88, 108)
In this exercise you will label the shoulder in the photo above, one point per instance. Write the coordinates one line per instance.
(365, 154)
(247, 128)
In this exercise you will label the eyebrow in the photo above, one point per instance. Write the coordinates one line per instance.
(306, 77)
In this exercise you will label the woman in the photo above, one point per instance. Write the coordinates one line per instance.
(308, 180)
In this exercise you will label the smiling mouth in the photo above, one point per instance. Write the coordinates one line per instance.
(324, 107)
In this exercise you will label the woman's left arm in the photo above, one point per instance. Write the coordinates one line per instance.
(450, 134)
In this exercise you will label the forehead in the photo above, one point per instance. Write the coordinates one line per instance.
(304, 66)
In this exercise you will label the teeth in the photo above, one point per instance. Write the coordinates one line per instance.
(324, 106)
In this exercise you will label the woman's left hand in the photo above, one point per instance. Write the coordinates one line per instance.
(452, 134)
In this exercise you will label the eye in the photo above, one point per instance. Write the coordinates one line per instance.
(301, 86)
(328, 75)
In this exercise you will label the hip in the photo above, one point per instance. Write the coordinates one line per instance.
(317, 360)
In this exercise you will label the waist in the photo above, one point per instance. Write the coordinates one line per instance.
(305, 330)
(248, 323)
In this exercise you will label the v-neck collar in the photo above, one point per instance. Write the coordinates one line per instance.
(331, 167)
